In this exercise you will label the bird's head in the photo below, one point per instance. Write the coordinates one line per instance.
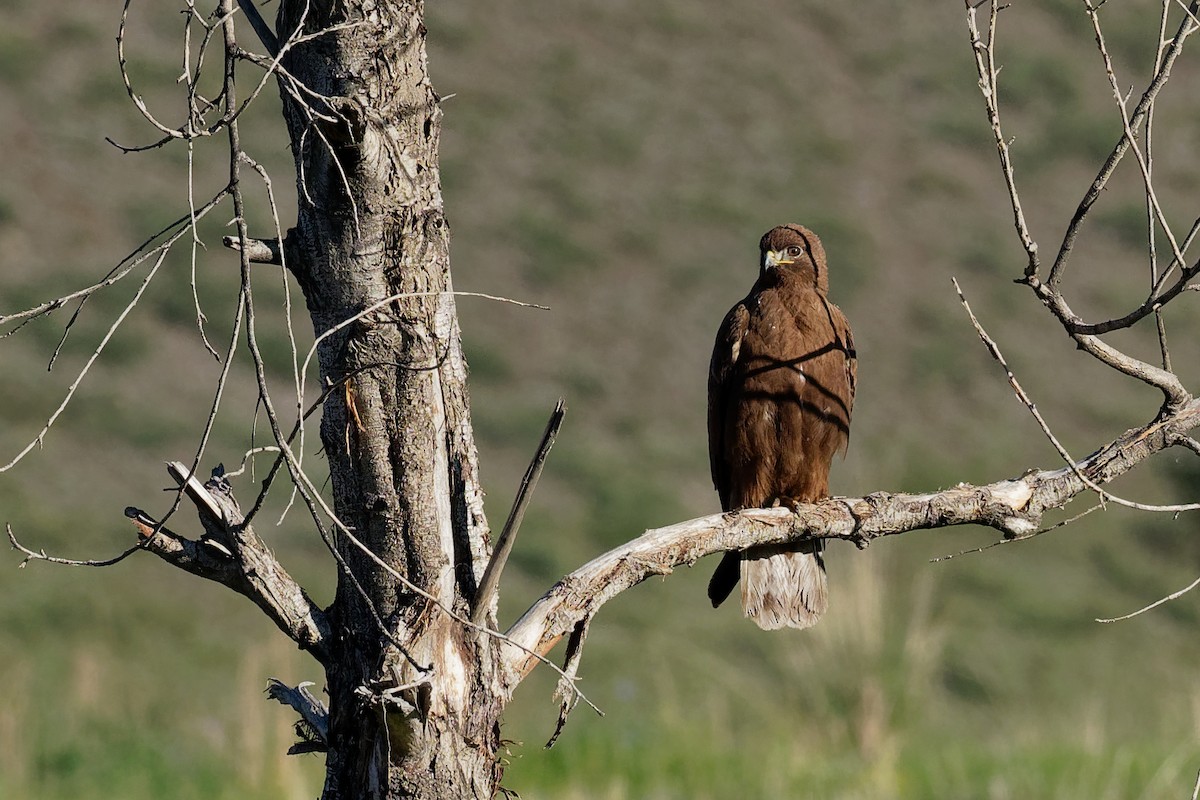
(794, 250)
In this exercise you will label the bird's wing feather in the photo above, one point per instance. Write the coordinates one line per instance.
(841, 327)
(721, 368)
(844, 383)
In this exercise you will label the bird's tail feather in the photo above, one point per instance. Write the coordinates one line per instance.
(784, 585)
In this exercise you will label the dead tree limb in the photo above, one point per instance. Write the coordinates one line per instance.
(1014, 507)
(232, 554)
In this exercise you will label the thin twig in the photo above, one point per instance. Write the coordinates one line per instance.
(287, 289)
(248, 457)
(1131, 136)
(985, 65)
(1151, 238)
(40, 555)
(112, 329)
(1021, 538)
(195, 247)
(1155, 604)
(1093, 193)
(134, 259)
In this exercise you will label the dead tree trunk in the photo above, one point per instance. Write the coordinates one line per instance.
(371, 237)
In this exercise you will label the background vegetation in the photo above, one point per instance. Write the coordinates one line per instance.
(617, 161)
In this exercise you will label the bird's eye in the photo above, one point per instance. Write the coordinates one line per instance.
(794, 251)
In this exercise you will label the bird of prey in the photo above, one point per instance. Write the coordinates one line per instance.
(780, 393)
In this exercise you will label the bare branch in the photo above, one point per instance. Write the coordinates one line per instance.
(79, 378)
(1152, 304)
(566, 691)
(123, 62)
(985, 65)
(232, 554)
(1014, 506)
(1014, 539)
(40, 555)
(260, 251)
(1130, 135)
(195, 248)
(260, 26)
(1189, 443)
(139, 255)
(1151, 237)
(1186, 29)
(313, 727)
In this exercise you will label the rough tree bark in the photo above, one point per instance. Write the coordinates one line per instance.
(397, 432)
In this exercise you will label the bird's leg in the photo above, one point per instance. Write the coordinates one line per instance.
(790, 503)
(793, 504)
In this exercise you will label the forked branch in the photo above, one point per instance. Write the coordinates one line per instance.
(1049, 290)
(230, 553)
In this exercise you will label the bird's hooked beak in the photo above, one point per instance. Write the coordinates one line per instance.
(774, 258)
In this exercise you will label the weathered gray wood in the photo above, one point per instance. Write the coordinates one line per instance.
(1014, 507)
(414, 710)
(234, 556)
(313, 727)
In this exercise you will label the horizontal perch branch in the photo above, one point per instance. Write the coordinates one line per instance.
(1012, 506)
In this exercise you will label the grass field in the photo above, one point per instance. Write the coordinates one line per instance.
(617, 162)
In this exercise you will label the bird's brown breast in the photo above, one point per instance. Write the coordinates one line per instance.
(788, 396)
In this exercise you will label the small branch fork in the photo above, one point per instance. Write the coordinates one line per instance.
(1048, 291)
(232, 554)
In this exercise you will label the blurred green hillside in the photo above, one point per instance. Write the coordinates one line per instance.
(617, 162)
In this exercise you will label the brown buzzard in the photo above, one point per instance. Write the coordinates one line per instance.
(780, 392)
